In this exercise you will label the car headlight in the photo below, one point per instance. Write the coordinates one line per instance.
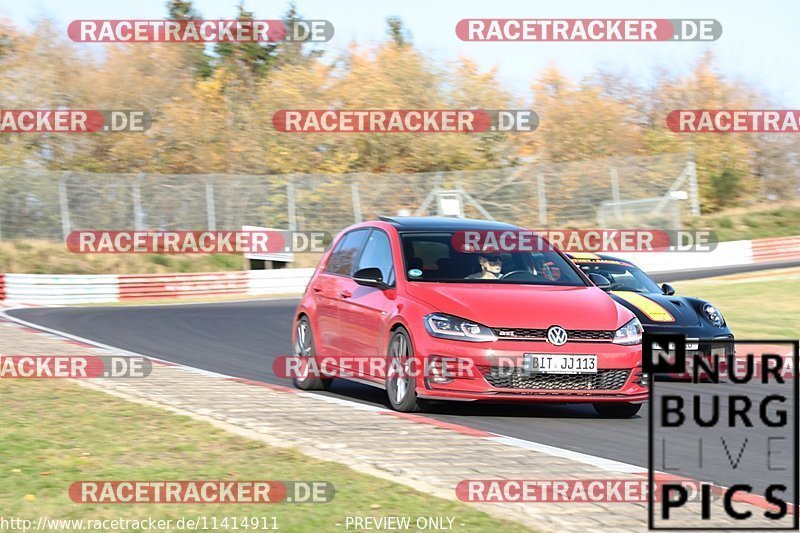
(713, 315)
(630, 333)
(452, 327)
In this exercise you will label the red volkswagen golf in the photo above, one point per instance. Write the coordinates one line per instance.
(396, 305)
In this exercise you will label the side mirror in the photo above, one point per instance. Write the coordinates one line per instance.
(600, 280)
(370, 277)
(667, 289)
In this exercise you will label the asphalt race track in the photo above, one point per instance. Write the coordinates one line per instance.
(242, 339)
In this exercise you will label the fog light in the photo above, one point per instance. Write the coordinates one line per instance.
(640, 377)
(440, 370)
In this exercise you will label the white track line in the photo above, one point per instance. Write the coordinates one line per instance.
(599, 462)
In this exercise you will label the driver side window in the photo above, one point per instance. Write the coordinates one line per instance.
(344, 256)
(378, 254)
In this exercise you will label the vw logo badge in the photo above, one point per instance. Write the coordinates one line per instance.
(556, 335)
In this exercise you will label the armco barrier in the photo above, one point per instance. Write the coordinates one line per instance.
(43, 289)
(775, 250)
(284, 281)
(253, 282)
(730, 253)
(154, 286)
(47, 289)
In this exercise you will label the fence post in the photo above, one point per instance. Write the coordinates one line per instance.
(138, 215)
(211, 208)
(693, 192)
(63, 202)
(542, 200)
(290, 205)
(676, 215)
(615, 191)
(356, 201)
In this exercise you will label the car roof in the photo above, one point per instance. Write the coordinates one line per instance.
(612, 258)
(604, 257)
(445, 224)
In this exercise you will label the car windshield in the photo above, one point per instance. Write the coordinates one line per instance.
(432, 257)
(622, 276)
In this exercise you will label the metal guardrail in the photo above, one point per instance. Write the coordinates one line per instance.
(776, 249)
(43, 289)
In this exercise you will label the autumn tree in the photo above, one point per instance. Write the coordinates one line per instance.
(196, 57)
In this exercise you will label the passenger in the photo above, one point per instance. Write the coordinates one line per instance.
(491, 267)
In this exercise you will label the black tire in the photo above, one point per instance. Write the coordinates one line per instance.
(304, 348)
(402, 391)
(617, 410)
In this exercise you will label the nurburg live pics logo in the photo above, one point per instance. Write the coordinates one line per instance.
(724, 412)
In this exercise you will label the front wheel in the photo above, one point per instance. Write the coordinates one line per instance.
(304, 350)
(617, 410)
(401, 384)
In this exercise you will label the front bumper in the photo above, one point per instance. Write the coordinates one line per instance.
(497, 375)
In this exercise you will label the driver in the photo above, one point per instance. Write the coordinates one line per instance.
(491, 267)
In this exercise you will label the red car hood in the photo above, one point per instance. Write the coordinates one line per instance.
(524, 306)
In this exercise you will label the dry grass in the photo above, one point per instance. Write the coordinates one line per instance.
(41, 257)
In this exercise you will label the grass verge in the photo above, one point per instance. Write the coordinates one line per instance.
(757, 222)
(54, 433)
(757, 305)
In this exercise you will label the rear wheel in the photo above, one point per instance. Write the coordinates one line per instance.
(401, 385)
(304, 350)
(617, 410)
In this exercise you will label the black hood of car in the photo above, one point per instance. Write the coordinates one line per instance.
(660, 313)
(661, 310)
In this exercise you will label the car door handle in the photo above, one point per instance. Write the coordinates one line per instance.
(345, 294)
(316, 288)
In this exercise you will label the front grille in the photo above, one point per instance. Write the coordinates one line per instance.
(590, 334)
(506, 378)
(532, 334)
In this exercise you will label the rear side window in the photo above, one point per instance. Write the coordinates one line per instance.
(378, 254)
(431, 252)
(344, 256)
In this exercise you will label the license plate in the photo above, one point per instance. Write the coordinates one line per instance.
(550, 363)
